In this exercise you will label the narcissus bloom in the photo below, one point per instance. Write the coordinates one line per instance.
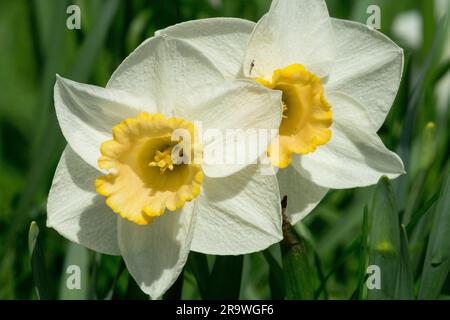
(338, 81)
(118, 189)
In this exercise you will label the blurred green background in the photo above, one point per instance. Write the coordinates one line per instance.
(35, 45)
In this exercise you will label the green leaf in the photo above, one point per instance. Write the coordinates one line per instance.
(405, 282)
(91, 47)
(76, 274)
(384, 240)
(419, 238)
(424, 150)
(421, 212)
(437, 260)
(351, 249)
(297, 271)
(311, 245)
(199, 267)
(225, 280)
(276, 279)
(363, 256)
(113, 290)
(37, 262)
(429, 25)
(422, 156)
(441, 72)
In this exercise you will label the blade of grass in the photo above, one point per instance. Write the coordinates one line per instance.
(429, 25)
(437, 260)
(356, 294)
(421, 212)
(297, 271)
(37, 262)
(384, 240)
(441, 72)
(96, 259)
(363, 256)
(419, 240)
(423, 154)
(351, 249)
(112, 291)
(225, 279)
(75, 276)
(405, 282)
(320, 274)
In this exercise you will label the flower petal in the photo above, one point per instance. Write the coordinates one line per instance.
(87, 113)
(164, 70)
(238, 120)
(293, 32)
(355, 155)
(238, 214)
(156, 253)
(368, 68)
(303, 195)
(75, 211)
(222, 40)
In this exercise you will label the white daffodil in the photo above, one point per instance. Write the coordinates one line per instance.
(338, 80)
(116, 184)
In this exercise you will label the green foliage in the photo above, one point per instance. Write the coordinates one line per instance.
(404, 230)
(384, 240)
(437, 259)
(296, 267)
(37, 261)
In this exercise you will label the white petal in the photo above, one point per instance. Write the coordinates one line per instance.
(222, 40)
(75, 211)
(303, 195)
(156, 253)
(355, 155)
(238, 214)
(292, 32)
(238, 120)
(368, 68)
(164, 70)
(87, 114)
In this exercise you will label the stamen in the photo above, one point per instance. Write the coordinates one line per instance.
(137, 191)
(163, 160)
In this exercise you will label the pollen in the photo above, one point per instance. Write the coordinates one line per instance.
(152, 170)
(163, 160)
(307, 116)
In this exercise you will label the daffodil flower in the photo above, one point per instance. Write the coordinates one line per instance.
(338, 80)
(118, 191)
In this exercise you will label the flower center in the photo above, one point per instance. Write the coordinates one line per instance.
(307, 116)
(153, 164)
(163, 160)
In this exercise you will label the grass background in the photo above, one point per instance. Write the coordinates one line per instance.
(406, 230)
